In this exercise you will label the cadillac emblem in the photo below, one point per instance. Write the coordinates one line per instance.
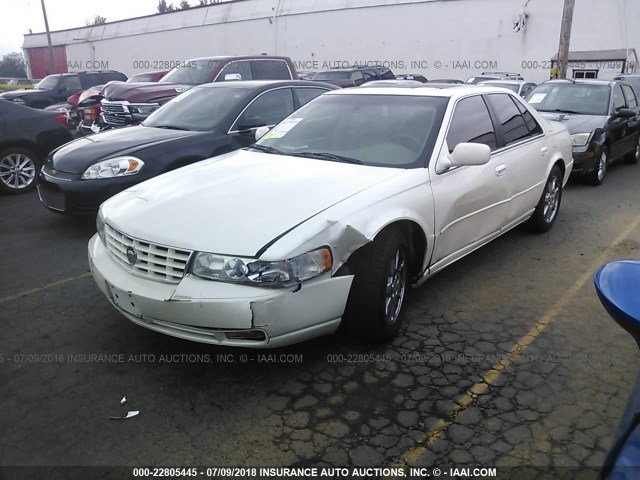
(132, 255)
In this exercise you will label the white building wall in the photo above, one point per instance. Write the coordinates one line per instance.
(448, 38)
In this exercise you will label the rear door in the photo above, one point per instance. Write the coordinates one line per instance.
(618, 126)
(470, 202)
(633, 124)
(522, 154)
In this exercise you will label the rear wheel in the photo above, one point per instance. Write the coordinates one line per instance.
(634, 156)
(596, 177)
(18, 169)
(380, 287)
(547, 209)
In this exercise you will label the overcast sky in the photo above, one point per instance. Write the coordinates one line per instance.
(18, 16)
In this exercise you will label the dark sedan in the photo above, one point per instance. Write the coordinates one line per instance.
(26, 138)
(204, 122)
(602, 117)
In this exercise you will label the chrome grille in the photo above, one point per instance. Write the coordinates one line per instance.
(155, 262)
(50, 172)
(115, 113)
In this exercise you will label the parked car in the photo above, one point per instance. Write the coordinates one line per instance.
(148, 76)
(131, 103)
(446, 80)
(617, 288)
(412, 76)
(306, 75)
(330, 216)
(354, 76)
(26, 138)
(204, 122)
(520, 87)
(56, 88)
(602, 117)
(487, 76)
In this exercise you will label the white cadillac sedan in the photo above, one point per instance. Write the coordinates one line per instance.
(330, 217)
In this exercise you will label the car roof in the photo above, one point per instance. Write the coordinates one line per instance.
(238, 57)
(506, 82)
(265, 84)
(582, 81)
(398, 82)
(424, 90)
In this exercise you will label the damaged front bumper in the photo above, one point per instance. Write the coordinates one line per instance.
(220, 313)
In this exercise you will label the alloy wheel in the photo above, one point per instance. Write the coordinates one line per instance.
(551, 199)
(602, 165)
(17, 171)
(396, 287)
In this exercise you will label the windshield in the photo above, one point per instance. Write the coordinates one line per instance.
(577, 98)
(333, 76)
(381, 130)
(511, 86)
(199, 109)
(193, 72)
(47, 83)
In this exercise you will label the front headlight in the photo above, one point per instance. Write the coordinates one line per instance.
(100, 227)
(114, 167)
(580, 139)
(143, 109)
(283, 273)
(19, 101)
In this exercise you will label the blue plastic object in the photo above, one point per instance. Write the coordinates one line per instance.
(618, 287)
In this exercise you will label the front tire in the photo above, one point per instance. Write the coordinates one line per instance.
(547, 209)
(18, 170)
(379, 290)
(596, 177)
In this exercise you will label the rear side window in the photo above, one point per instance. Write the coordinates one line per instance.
(632, 101)
(368, 75)
(90, 79)
(236, 68)
(513, 125)
(305, 95)
(471, 123)
(272, 107)
(108, 77)
(270, 70)
(357, 77)
(385, 74)
(533, 126)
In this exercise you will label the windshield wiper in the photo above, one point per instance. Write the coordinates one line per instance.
(169, 127)
(265, 149)
(561, 110)
(328, 156)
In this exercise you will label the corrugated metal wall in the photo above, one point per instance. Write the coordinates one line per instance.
(38, 61)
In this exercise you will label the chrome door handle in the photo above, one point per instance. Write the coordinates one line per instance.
(544, 150)
(501, 170)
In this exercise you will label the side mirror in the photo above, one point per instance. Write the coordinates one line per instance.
(625, 113)
(232, 76)
(250, 123)
(261, 132)
(470, 154)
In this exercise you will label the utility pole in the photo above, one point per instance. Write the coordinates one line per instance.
(52, 64)
(565, 37)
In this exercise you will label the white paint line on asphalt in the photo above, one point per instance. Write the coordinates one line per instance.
(44, 287)
(492, 375)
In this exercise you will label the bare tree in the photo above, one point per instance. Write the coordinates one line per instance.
(97, 20)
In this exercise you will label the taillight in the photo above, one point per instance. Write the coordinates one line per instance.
(62, 118)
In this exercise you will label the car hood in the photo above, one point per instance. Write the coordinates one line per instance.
(77, 156)
(236, 203)
(577, 123)
(143, 91)
(22, 92)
